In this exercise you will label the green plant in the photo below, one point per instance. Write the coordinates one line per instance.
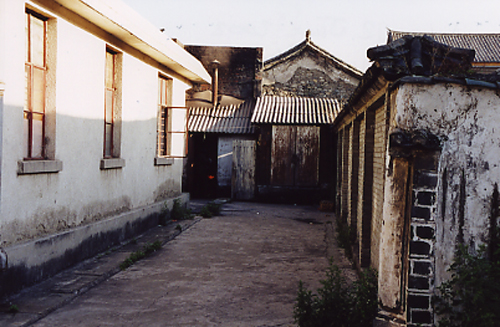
(472, 296)
(205, 212)
(178, 227)
(13, 309)
(180, 212)
(346, 235)
(146, 250)
(338, 304)
(211, 209)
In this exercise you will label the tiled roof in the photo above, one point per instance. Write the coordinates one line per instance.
(295, 110)
(487, 46)
(233, 119)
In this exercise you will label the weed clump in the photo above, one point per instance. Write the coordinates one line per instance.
(336, 303)
(180, 212)
(13, 309)
(146, 250)
(346, 236)
(210, 210)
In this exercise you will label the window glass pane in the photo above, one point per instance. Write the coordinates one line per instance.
(38, 91)
(177, 144)
(108, 138)
(26, 136)
(109, 106)
(37, 138)
(37, 41)
(27, 76)
(27, 37)
(110, 67)
(178, 120)
(162, 91)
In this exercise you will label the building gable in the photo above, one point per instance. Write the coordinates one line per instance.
(306, 70)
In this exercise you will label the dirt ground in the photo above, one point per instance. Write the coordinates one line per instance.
(238, 269)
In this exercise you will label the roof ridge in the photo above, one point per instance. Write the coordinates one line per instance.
(440, 33)
(300, 47)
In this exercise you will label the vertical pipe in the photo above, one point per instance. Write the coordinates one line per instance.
(215, 83)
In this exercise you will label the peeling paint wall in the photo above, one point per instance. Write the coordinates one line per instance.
(425, 200)
(466, 121)
(307, 75)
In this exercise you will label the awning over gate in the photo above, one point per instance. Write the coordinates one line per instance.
(234, 119)
(295, 110)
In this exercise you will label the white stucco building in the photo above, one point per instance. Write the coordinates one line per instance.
(92, 130)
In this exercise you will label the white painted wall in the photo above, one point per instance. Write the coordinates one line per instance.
(466, 119)
(36, 205)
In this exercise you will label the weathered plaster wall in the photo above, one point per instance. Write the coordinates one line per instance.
(466, 121)
(239, 68)
(81, 194)
(307, 75)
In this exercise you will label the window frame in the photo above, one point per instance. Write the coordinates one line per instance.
(29, 111)
(165, 128)
(109, 153)
(164, 102)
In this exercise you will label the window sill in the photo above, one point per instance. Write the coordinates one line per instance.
(112, 163)
(38, 166)
(164, 161)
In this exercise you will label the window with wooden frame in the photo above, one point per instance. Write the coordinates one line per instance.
(109, 102)
(35, 74)
(164, 102)
(172, 123)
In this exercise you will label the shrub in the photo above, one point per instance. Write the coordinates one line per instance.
(338, 304)
(179, 212)
(472, 296)
(210, 210)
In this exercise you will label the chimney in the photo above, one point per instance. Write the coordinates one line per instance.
(215, 82)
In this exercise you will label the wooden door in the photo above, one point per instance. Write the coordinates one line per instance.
(243, 172)
(295, 155)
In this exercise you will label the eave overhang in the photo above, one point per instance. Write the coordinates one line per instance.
(117, 19)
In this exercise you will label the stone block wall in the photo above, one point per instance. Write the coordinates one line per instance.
(310, 83)
(422, 235)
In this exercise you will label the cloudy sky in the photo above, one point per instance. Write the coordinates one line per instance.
(345, 28)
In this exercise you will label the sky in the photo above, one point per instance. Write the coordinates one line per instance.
(344, 28)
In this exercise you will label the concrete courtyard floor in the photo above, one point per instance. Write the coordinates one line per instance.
(238, 269)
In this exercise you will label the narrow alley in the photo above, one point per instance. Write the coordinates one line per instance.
(238, 269)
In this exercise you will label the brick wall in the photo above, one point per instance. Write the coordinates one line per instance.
(365, 213)
(355, 140)
(338, 186)
(345, 172)
(421, 254)
(379, 153)
(360, 196)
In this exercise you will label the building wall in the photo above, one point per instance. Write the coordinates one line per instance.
(379, 158)
(361, 170)
(81, 194)
(465, 119)
(308, 75)
(239, 68)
